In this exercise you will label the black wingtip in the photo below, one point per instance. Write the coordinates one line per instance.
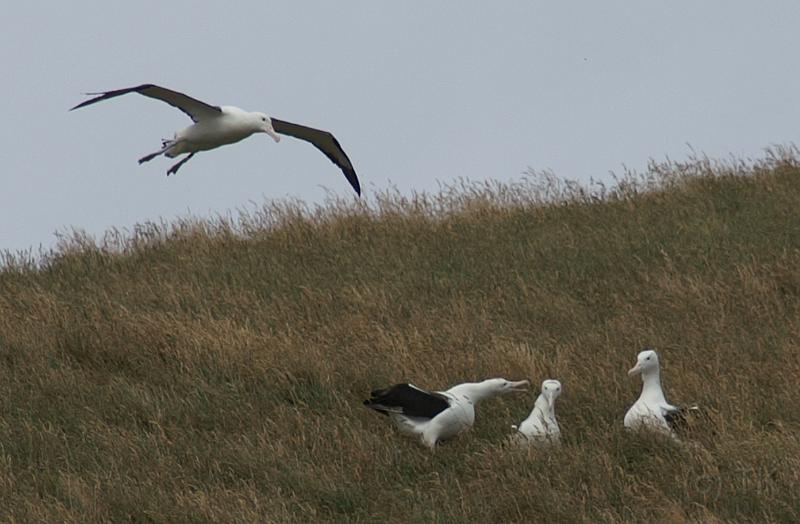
(105, 95)
(97, 97)
(372, 405)
(351, 177)
(79, 105)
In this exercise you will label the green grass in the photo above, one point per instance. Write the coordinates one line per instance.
(214, 370)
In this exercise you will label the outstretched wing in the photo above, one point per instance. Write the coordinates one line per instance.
(407, 399)
(325, 142)
(196, 109)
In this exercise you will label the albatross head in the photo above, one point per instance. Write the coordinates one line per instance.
(500, 386)
(646, 362)
(477, 391)
(265, 126)
(551, 389)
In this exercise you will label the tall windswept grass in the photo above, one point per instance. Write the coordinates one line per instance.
(213, 369)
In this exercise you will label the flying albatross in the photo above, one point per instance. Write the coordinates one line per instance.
(216, 126)
(439, 415)
(652, 410)
(541, 426)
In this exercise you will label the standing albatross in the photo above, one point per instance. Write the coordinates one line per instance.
(439, 415)
(541, 426)
(652, 410)
(216, 126)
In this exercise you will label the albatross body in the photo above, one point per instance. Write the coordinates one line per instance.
(651, 410)
(216, 126)
(439, 415)
(541, 426)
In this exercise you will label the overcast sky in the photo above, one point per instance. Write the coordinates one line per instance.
(415, 92)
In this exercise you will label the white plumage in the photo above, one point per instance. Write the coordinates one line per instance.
(541, 426)
(651, 410)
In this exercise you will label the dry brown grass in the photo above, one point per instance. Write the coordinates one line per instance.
(214, 370)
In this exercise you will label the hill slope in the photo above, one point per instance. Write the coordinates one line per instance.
(215, 371)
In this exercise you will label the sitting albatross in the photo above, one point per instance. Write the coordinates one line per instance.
(652, 410)
(216, 126)
(439, 415)
(541, 426)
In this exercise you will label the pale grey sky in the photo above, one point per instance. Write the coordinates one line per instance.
(415, 92)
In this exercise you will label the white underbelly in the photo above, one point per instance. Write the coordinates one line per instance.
(642, 414)
(204, 136)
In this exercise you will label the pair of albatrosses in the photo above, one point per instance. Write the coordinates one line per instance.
(216, 126)
(440, 415)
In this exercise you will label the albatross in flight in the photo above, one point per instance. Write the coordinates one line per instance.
(439, 415)
(541, 426)
(216, 126)
(652, 410)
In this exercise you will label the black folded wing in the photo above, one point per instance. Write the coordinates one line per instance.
(408, 400)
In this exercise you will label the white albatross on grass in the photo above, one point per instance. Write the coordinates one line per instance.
(439, 415)
(651, 410)
(216, 126)
(541, 426)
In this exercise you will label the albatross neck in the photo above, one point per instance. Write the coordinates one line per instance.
(651, 386)
(474, 391)
(544, 406)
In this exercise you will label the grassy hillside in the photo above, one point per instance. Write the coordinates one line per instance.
(214, 371)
